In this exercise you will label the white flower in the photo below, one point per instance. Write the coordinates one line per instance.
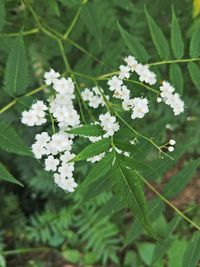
(51, 76)
(51, 163)
(33, 117)
(96, 158)
(87, 94)
(172, 142)
(170, 148)
(127, 154)
(115, 83)
(64, 86)
(94, 139)
(131, 62)
(38, 150)
(109, 124)
(140, 107)
(145, 75)
(61, 142)
(66, 170)
(39, 106)
(66, 184)
(124, 72)
(42, 138)
(159, 99)
(66, 156)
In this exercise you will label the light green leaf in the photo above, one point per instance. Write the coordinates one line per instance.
(87, 130)
(176, 37)
(128, 186)
(176, 77)
(146, 252)
(161, 249)
(179, 181)
(195, 43)
(16, 72)
(72, 255)
(176, 252)
(93, 149)
(6, 176)
(133, 45)
(192, 255)
(194, 71)
(10, 141)
(2, 14)
(158, 37)
(89, 17)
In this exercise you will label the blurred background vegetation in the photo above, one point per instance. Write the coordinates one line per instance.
(40, 226)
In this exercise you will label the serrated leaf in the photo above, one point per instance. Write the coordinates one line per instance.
(192, 255)
(179, 181)
(6, 176)
(176, 77)
(87, 130)
(133, 45)
(2, 14)
(176, 37)
(194, 71)
(195, 43)
(10, 141)
(158, 37)
(89, 17)
(16, 72)
(93, 149)
(128, 186)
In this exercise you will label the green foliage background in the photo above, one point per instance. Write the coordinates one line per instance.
(39, 224)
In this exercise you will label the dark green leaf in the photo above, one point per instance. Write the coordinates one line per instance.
(176, 37)
(176, 77)
(133, 45)
(158, 37)
(195, 44)
(87, 130)
(93, 149)
(194, 71)
(2, 14)
(192, 255)
(6, 176)
(179, 181)
(10, 141)
(16, 73)
(128, 186)
(89, 16)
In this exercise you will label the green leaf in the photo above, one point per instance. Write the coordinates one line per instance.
(2, 14)
(6, 176)
(93, 149)
(179, 181)
(195, 44)
(176, 252)
(158, 37)
(10, 141)
(16, 72)
(99, 169)
(87, 130)
(161, 249)
(146, 252)
(194, 71)
(72, 255)
(133, 45)
(176, 77)
(192, 255)
(128, 186)
(89, 17)
(176, 37)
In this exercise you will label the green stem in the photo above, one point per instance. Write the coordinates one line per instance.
(168, 202)
(24, 251)
(143, 85)
(174, 61)
(33, 31)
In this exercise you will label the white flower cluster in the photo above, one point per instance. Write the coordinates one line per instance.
(93, 97)
(56, 148)
(170, 98)
(109, 124)
(36, 115)
(96, 158)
